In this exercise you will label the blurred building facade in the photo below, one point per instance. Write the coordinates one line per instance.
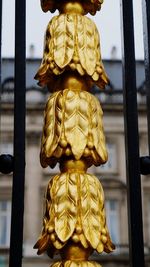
(112, 174)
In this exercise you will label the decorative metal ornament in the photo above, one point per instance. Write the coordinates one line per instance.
(74, 223)
(88, 6)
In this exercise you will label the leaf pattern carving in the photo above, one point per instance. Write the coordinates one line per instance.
(90, 214)
(71, 43)
(71, 263)
(87, 49)
(76, 122)
(49, 137)
(64, 196)
(97, 129)
(63, 40)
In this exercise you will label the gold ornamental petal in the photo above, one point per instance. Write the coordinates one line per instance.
(86, 44)
(97, 129)
(103, 78)
(42, 71)
(73, 263)
(48, 221)
(109, 246)
(50, 137)
(76, 122)
(47, 5)
(100, 247)
(83, 241)
(64, 197)
(89, 6)
(58, 245)
(90, 213)
(67, 263)
(42, 244)
(41, 75)
(101, 198)
(57, 264)
(64, 39)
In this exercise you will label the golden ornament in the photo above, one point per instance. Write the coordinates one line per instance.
(74, 223)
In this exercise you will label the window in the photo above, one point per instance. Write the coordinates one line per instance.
(112, 217)
(2, 261)
(5, 220)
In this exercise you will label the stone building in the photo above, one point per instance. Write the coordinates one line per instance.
(112, 174)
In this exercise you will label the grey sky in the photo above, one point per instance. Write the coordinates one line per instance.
(107, 21)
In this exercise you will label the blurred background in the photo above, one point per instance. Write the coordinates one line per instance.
(113, 174)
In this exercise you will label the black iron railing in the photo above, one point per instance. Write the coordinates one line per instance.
(16, 241)
(132, 138)
(16, 164)
(146, 31)
(145, 161)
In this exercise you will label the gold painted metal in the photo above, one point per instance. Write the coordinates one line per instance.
(89, 6)
(73, 127)
(71, 43)
(74, 223)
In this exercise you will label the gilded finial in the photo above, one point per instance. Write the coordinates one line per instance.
(74, 223)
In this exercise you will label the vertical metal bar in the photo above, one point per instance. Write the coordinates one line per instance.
(16, 241)
(146, 28)
(0, 36)
(132, 138)
(0, 49)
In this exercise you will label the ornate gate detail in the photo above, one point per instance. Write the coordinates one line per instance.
(74, 224)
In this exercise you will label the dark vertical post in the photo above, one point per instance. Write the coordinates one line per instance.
(0, 47)
(0, 35)
(0, 58)
(146, 28)
(16, 241)
(132, 138)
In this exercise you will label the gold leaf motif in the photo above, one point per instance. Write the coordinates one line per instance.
(100, 247)
(64, 196)
(50, 138)
(83, 241)
(74, 211)
(58, 245)
(90, 214)
(42, 244)
(57, 264)
(41, 75)
(86, 47)
(97, 129)
(73, 125)
(63, 40)
(74, 222)
(46, 5)
(79, 263)
(90, 6)
(76, 122)
(71, 43)
(50, 208)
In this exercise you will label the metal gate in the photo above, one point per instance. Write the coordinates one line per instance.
(135, 164)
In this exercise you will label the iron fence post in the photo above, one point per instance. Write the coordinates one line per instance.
(146, 34)
(16, 241)
(132, 138)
